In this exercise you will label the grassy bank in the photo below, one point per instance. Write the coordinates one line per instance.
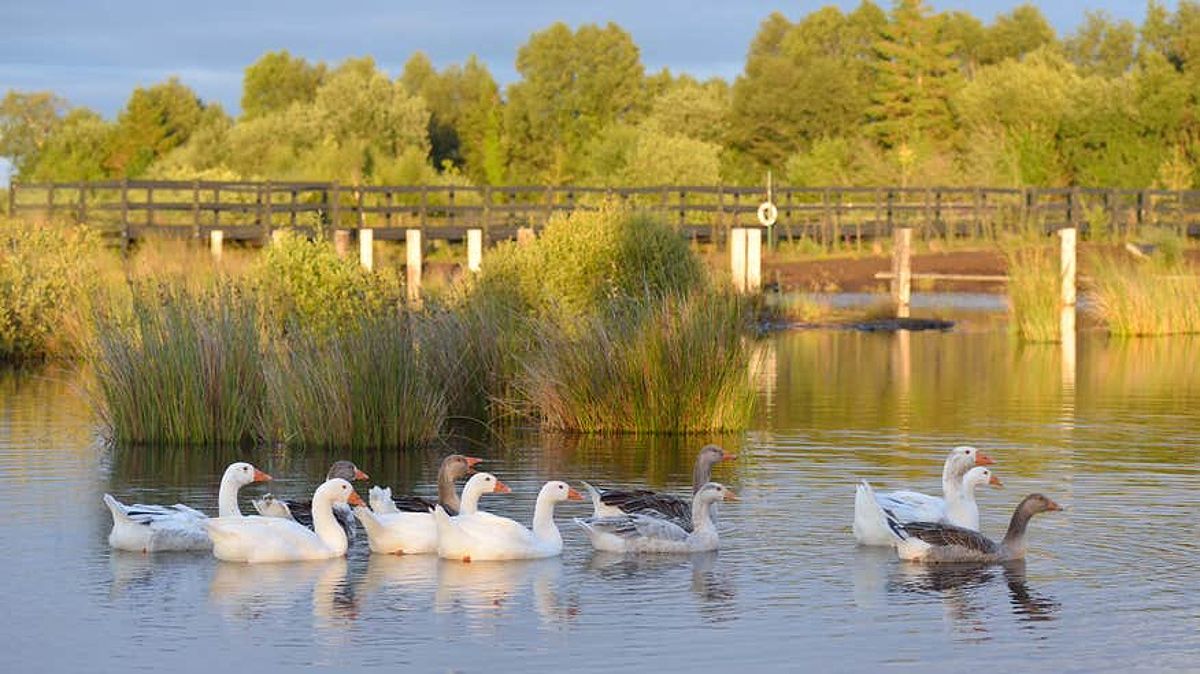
(1143, 298)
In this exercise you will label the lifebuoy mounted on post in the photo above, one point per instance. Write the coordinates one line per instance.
(767, 213)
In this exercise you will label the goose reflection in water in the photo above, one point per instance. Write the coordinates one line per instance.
(961, 587)
(256, 591)
(487, 590)
(713, 587)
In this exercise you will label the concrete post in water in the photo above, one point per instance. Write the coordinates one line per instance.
(902, 270)
(737, 257)
(753, 259)
(412, 249)
(474, 249)
(341, 242)
(216, 241)
(366, 248)
(1067, 237)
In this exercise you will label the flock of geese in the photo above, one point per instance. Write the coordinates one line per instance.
(921, 527)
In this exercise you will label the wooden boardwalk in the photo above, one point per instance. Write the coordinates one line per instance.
(831, 217)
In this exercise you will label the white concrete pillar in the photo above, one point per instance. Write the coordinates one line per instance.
(737, 257)
(754, 259)
(216, 243)
(902, 270)
(1067, 238)
(366, 248)
(474, 249)
(412, 250)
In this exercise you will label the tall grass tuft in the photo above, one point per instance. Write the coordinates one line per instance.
(1033, 293)
(1136, 298)
(186, 368)
(366, 386)
(675, 365)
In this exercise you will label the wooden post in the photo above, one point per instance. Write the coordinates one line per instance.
(902, 270)
(487, 212)
(267, 208)
(196, 210)
(335, 207)
(1067, 238)
(12, 198)
(216, 206)
(412, 269)
(216, 241)
(292, 209)
(366, 248)
(737, 257)
(124, 213)
(753, 259)
(389, 200)
(81, 215)
(341, 242)
(50, 201)
(474, 249)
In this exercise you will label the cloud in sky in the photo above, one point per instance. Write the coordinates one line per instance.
(95, 53)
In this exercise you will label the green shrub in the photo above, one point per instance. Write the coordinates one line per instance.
(1134, 298)
(673, 365)
(364, 386)
(1033, 293)
(186, 368)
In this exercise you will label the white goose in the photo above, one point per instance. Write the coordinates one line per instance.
(275, 539)
(484, 536)
(155, 528)
(870, 528)
(397, 532)
(638, 532)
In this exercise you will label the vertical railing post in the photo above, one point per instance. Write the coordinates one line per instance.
(81, 213)
(486, 216)
(335, 205)
(196, 210)
(266, 209)
(124, 213)
(902, 270)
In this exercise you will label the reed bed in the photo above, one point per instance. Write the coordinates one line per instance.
(1033, 293)
(185, 368)
(677, 365)
(1144, 298)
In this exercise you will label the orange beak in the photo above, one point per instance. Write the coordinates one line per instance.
(501, 488)
(982, 459)
(260, 476)
(359, 475)
(471, 461)
(729, 495)
(1051, 505)
(573, 495)
(355, 499)
(995, 482)
(729, 457)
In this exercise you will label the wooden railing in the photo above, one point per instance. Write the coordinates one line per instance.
(831, 216)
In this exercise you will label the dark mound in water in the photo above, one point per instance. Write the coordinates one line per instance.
(894, 324)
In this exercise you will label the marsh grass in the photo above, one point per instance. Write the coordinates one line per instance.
(1142, 298)
(184, 368)
(1033, 293)
(365, 387)
(677, 365)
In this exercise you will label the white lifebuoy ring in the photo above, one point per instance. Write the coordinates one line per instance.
(767, 213)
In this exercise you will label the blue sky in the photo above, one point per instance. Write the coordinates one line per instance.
(95, 52)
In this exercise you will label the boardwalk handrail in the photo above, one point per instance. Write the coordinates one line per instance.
(831, 216)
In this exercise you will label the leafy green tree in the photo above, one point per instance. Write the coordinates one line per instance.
(1102, 138)
(465, 115)
(27, 122)
(75, 151)
(277, 80)
(1015, 34)
(698, 110)
(154, 121)
(1102, 46)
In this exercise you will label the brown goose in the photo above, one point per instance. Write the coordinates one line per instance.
(301, 510)
(619, 502)
(453, 468)
(934, 542)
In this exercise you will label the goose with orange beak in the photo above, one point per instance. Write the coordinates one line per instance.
(484, 536)
(638, 532)
(398, 532)
(301, 509)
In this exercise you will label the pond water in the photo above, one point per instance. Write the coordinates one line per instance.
(1111, 583)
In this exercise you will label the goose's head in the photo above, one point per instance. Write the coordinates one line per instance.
(964, 457)
(487, 483)
(338, 490)
(458, 466)
(711, 455)
(346, 470)
(715, 491)
(1037, 503)
(242, 473)
(979, 476)
(557, 491)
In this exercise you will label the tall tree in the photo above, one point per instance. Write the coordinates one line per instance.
(1102, 46)
(276, 80)
(1015, 34)
(154, 121)
(76, 150)
(27, 121)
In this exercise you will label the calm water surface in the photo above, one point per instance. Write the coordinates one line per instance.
(1113, 583)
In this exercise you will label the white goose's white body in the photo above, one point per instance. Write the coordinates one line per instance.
(394, 532)
(272, 539)
(648, 534)
(870, 521)
(481, 536)
(154, 528)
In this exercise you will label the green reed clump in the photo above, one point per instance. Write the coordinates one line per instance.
(679, 364)
(1136, 298)
(185, 368)
(367, 385)
(1033, 293)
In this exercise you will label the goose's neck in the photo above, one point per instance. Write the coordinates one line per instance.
(447, 495)
(227, 498)
(1014, 539)
(701, 473)
(702, 515)
(544, 527)
(952, 476)
(326, 525)
(470, 498)
(961, 509)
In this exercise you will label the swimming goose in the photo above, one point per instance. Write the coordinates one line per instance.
(416, 533)
(453, 468)
(616, 502)
(643, 533)
(154, 528)
(275, 539)
(483, 536)
(911, 506)
(933, 542)
(300, 510)
(960, 510)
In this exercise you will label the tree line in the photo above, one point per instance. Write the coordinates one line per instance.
(902, 96)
